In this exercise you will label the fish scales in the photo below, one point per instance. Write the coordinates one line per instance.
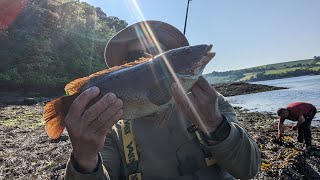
(135, 85)
(144, 88)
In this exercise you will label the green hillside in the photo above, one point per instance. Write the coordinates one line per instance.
(51, 42)
(284, 64)
(267, 72)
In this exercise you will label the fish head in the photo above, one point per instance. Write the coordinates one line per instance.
(190, 61)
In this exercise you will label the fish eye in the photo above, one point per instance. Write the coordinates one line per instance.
(189, 50)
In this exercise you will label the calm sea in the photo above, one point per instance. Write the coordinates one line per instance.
(303, 88)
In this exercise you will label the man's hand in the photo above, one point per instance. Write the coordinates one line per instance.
(201, 105)
(295, 127)
(280, 129)
(88, 128)
(280, 135)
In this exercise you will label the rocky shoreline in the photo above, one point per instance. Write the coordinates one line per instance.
(240, 88)
(281, 160)
(228, 89)
(26, 152)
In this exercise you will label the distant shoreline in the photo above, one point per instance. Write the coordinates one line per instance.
(38, 156)
(267, 72)
(240, 88)
(229, 89)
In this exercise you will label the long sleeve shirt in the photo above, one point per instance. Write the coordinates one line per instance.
(169, 151)
(298, 109)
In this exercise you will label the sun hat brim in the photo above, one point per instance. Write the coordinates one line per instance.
(150, 32)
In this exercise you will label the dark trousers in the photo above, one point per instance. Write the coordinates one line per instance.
(304, 131)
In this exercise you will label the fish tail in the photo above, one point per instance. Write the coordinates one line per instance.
(54, 113)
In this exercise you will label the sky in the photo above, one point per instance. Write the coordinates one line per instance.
(244, 33)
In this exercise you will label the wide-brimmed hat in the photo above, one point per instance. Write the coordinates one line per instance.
(116, 50)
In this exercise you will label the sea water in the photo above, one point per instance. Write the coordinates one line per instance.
(303, 88)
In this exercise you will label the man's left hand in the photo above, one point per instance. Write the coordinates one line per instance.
(200, 105)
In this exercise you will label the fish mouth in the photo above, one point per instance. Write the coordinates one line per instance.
(206, 57)
(196, 70)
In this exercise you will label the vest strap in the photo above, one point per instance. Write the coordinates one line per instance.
(208, 159)
(135, 176)
(130, 149)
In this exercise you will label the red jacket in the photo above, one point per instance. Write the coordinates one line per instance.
(298, 109)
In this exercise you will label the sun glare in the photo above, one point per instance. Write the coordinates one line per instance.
(133, 6)
(9, 11)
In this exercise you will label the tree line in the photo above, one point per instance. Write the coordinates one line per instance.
(304, 67)
(52, 42)
(262, 76)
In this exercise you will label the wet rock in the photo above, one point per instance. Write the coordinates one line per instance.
(45, 138)
(61, 138)
(29, 101)
(59, 167)
(238, 88)
(33, 155)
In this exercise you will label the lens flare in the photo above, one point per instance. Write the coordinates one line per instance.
(135, 9)
(9, 11)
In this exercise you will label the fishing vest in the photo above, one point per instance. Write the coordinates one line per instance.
(130, 149)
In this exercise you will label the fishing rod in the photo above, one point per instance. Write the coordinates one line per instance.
(185, 21)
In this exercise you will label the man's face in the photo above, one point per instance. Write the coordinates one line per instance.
(284, 114)
(135, 45)
(137, 49)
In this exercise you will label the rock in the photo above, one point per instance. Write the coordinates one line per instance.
(239, 88)
(59, 139)
(29, 101)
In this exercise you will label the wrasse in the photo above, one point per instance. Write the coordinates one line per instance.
(144, 86)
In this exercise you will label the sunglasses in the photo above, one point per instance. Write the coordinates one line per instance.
(134, 55)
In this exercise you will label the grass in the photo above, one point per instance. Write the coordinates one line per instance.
(248, 76)
(284, 64)
(290, 63)
(317, 68)
(270, 69)
(277, 71)
(284, 70)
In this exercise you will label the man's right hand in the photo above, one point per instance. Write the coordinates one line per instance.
(280, 135)
(280, 129)
(88, 128)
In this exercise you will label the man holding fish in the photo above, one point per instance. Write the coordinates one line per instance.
(175, 125)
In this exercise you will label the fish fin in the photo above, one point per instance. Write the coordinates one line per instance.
(115, 68)
(163, 116)
(160, 92)
(76, 85)
(54, 114)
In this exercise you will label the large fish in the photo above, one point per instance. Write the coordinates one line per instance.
(144, 86)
